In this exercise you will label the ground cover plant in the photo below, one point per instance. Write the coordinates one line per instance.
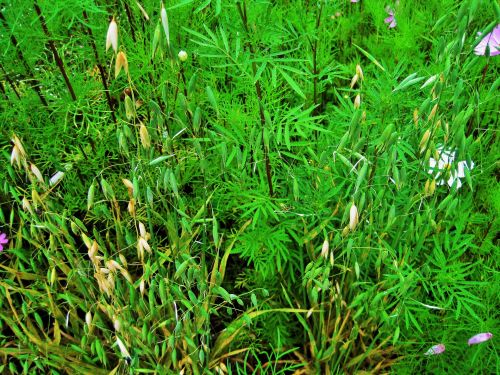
(249, 187)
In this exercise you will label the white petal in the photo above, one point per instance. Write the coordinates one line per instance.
(461, 169)
(442, 164)
(432, 163)
(440, 182)
(450, 181)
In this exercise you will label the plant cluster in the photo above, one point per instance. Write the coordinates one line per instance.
(249, 186)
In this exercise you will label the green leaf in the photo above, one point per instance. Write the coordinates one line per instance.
(370, 57)
(292, 83)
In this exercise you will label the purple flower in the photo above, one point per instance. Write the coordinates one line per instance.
(479, 338)
(391, 20)
(3, 240)
(492, 40)
(436, 349)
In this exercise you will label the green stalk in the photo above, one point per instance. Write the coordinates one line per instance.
(100, 67)
(258, 90)
(52, 47)
(35, 85)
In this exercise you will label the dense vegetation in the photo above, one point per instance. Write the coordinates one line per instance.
(256, 186)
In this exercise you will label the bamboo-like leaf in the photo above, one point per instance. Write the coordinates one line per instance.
(292, 84)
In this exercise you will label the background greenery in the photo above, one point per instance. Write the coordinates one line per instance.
(197, 196)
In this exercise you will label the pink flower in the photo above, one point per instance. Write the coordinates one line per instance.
(354, 1)
(391, 20)
(3, 240)
(492, 40)
(436, 349)
(479, 338)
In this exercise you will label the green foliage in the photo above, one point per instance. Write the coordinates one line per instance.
(263, 207)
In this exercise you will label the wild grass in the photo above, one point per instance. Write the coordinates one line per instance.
(266, 206)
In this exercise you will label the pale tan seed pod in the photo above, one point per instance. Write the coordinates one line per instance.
(121, 62)
(19, 144)
(145, 140)
(415, 117)
(359, 72)
(433, 112)
(345, 231)
(325, 248)
(140, 250)
(103, 283)
(18, 154)
(123, 260)
(130, 186)
(93, 249)
(112, 36)
(113, 265)
(353, 217)
(88, 319)
(145, 245)
(126, 275)
(131, 207)
(142, 230)
(357, 101)
(27, 205)
(354, 80)
(123, 348)
(15, 156)
(142, 287)
(111, 282)
(37, 173)
(423, 142)
(116, 324)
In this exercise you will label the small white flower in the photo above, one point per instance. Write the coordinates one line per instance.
(447, 172)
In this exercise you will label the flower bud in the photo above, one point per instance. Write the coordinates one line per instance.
(182, 55)
(436, 349)
(479, 338)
